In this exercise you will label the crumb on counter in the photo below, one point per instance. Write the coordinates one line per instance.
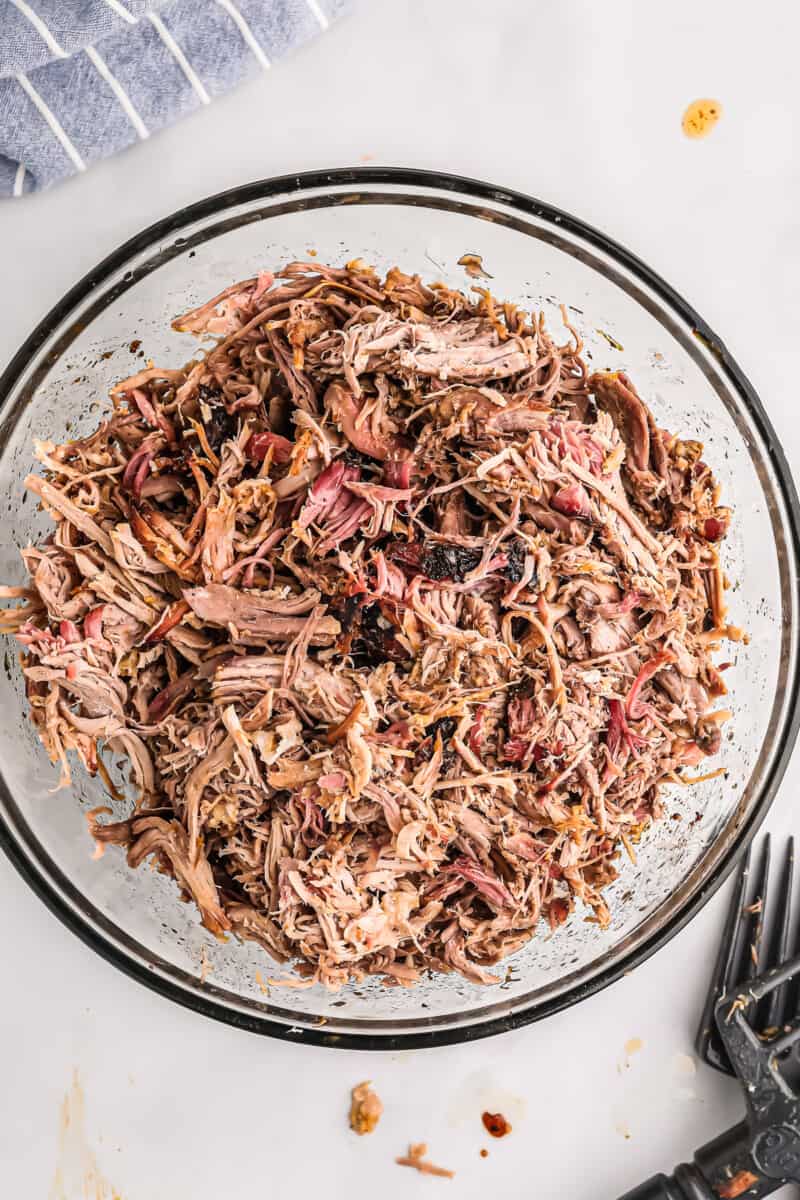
(366, 1108)
(416, 1159)
(700, 118)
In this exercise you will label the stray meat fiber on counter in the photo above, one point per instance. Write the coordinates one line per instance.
(400, 617)
(416, 1159)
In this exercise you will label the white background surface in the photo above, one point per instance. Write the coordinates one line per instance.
(580, 104)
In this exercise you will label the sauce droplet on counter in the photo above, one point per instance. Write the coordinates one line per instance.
(484, 1152)
(495, 1124)
(700, 118)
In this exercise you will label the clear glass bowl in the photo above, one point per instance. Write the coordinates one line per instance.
(630, 318)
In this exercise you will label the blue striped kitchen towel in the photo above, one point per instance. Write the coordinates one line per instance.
(81, 79)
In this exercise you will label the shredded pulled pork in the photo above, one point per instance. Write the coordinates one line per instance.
(400, 617)
(366, 1108)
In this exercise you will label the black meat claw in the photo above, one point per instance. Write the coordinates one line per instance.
(774, 1108)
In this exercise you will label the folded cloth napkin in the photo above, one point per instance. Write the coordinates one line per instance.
(81, 79)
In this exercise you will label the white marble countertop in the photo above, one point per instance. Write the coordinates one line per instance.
(580, 104)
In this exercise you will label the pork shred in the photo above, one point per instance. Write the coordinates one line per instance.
(417, 1160)
(400, 616)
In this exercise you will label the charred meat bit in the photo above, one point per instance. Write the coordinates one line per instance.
(514, 551)
(375, 639)
(441, 731)
(442, 561)
(219, 424)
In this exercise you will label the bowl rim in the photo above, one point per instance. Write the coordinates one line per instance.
(265, 189)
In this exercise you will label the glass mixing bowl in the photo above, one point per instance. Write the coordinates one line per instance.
(630, 318)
